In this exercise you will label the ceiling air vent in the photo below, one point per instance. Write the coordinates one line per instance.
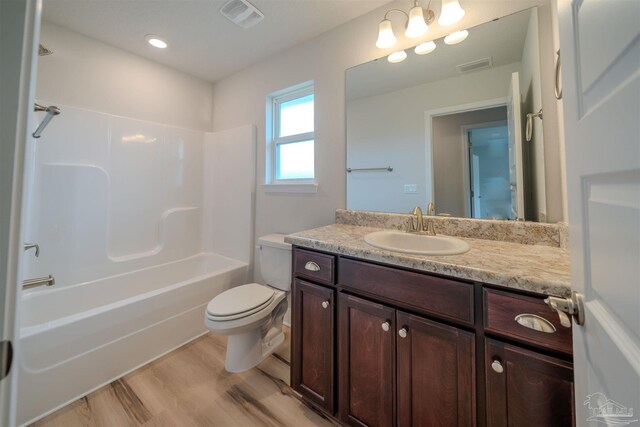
(241, 13)
(479, 64)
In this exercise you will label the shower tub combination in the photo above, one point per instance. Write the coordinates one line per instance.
(141, 224)
(75, 339)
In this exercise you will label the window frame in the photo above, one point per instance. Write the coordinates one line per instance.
(276, 141)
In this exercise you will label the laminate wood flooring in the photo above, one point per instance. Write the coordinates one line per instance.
(189, 387)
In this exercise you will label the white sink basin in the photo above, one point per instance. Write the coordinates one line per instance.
(399, 241)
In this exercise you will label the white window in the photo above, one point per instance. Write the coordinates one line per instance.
(292, 136)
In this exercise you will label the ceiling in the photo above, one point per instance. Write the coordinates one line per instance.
(502, 40)
(201, 41)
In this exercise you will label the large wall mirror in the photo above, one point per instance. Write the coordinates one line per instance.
(450, 126)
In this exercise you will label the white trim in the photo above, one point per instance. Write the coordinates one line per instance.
(428, 133)
(300, 187)
(20, 23)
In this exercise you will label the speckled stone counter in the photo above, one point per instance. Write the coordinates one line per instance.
(535, 268)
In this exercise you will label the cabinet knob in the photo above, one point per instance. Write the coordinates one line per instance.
(386, 326)
(497, 366)
(325, 304)
(403, 333)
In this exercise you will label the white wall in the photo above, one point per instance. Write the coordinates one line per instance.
(389, 129)
(241, 99)
(86, 73)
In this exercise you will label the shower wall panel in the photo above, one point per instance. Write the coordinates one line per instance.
(112, 194)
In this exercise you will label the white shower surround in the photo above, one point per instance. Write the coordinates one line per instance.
(131, 220)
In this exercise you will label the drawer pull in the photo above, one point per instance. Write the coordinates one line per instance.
(311, 266)
(497, 366)
(325, 304)
(386, 326)
(535, 322)
(403, 333)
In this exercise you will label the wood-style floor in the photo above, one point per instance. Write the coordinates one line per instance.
(189, 387)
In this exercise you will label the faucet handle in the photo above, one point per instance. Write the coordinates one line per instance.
(411, 226)
(431, 208)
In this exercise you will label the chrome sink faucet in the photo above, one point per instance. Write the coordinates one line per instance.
(417, 223)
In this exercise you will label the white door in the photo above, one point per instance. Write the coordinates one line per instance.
(600, 48)
(19, 20)
(516, 173)
(475, 180)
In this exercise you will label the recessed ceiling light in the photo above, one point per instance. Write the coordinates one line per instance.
(155, 41)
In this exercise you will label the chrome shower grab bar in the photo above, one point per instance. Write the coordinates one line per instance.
(51, 111)
(388, 169)
(32, 283)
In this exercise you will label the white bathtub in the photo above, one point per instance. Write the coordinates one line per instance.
(77, 338)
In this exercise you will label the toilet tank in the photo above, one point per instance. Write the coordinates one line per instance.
(275, 261)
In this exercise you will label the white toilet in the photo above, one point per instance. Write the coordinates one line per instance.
(251, 315)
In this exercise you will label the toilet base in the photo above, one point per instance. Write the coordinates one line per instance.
(245, 351)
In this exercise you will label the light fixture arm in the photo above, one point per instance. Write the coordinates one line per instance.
(395, 10)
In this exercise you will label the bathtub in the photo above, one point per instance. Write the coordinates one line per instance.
(74, 339)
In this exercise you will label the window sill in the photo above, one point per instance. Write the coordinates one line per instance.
(308, 188)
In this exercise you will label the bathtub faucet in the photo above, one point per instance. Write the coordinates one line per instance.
(28, 246)
(32, 283)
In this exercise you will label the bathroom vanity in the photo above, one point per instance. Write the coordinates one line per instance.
(386, 339)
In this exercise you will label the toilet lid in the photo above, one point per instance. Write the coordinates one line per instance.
(241, 299)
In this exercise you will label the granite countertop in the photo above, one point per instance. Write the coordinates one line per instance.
(534, 268)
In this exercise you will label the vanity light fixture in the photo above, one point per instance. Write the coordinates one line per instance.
(156, 41)
(457, 37)
(418, 20)
(451, 12)
(424, 48)
(386, 38)
(396, 57)
(416, 25)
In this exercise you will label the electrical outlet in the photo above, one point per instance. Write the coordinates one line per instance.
(410, 188)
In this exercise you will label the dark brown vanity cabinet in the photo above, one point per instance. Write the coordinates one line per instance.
(366, 362)
(313, 340)
(375, 345)
(398, 366)
(527, 388)
(436, 374)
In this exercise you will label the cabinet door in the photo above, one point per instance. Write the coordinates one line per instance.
(436, 374)
(366, 362)
(313, 343)
(525, 388)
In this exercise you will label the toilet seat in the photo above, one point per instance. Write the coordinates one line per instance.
(239, 302)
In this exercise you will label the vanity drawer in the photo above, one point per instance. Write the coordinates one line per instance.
(314, 266)
(501, 309)
(444, 298)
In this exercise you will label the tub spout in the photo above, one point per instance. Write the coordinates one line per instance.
(32, 283)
